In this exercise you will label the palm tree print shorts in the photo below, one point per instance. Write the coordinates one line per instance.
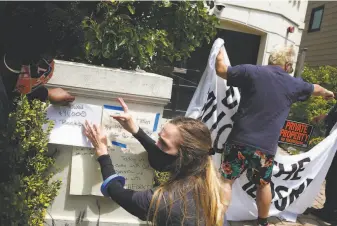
(238, 158)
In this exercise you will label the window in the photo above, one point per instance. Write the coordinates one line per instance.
(316, 19)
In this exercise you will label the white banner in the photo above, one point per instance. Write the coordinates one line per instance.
(215, 112)
(296, 179)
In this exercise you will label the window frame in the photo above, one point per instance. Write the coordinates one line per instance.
(312, 16)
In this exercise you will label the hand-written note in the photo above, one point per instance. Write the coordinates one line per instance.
(69, 120)
(130, 162)
(148, 121)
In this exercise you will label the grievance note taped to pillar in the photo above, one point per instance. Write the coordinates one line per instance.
(86, 178)
(117, 136)
(68, 120)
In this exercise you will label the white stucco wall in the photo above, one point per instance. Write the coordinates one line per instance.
(143, 92)
(269, 19)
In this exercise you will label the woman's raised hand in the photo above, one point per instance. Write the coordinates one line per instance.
(97, 137)
(125, 119)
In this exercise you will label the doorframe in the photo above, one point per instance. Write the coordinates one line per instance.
(243, 28)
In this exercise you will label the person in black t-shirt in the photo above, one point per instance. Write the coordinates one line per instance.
(193, 195)
(329, 210)
(18, 79)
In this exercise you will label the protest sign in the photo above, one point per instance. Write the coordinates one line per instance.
(86, 176)
(68, 121)
(296, 133)
(117, 136)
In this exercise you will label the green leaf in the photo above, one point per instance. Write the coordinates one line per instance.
(122, 42)
(131, 9)
(149, 48)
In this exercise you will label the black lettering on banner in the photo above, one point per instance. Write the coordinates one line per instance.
(282, 202)
(210, 99)
(300, 168)
(222, 114)
(250, 189)
(283, 171)
(283, 205)
(295, 169)
(216, 141)
(209, 115)
(229, 93)
(295, 193)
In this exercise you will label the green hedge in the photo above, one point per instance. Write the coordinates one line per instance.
(325, 76)
(26, 192)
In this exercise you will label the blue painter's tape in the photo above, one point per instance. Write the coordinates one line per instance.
(118, 144)
(156, 121)
(118, 108)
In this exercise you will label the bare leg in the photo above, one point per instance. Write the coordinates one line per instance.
(263, 200)
(228, 190)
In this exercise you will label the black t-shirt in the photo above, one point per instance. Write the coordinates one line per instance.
(267, 93)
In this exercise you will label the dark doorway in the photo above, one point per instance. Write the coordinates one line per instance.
(242, 48)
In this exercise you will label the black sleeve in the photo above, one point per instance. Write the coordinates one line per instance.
(239, 76)
(301, 90)
(40, 93)
(145, 140)
(135, 202)
(330, 120)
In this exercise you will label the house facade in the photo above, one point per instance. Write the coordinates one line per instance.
(251, 29)
(320, 33)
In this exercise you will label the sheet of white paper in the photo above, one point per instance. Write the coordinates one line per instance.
(148, 121)
(132, 163)
(68, 123)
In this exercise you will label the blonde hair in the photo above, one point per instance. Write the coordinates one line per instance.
(281, 55)
(194, 173)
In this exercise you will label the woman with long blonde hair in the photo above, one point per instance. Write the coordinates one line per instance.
(193, 194)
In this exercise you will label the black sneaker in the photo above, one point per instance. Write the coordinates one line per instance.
(327, 216)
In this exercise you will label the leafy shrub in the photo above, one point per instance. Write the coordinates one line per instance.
(325, 76)
(146, 34)
(25, 188)
(121, 34)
